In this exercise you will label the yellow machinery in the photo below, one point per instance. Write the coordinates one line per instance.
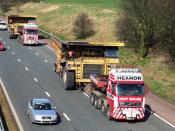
(77, 60)
(17, 22)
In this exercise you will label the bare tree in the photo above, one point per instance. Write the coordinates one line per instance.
(83, 26)
(138, 24)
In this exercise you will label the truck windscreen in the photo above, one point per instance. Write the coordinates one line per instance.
(130, 89)
(31, 32)
(111, 52)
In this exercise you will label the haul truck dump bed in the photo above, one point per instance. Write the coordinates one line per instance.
(77, 60)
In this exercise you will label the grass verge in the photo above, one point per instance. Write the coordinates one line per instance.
(6, 112)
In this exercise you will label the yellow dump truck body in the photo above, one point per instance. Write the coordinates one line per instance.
(89, 58)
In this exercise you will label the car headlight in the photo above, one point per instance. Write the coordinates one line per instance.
(54, 117)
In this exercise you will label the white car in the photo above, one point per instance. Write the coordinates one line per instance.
(42, 112)
(3, 25)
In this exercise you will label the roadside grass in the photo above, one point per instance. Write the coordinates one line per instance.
(156, 71)
(10, 122)
(58, 19)
(94, 3)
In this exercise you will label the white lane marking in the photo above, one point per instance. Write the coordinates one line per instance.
(49, 47)
(11, 106)
(45, 61)
(8, 47)
(13, 53)
(27, 69)
(170, 124)
(47, 93)
(30, 48)
(66, 117)
(85, 94)
(4, 42)
(37, 53)
(35, 79)
(19, 60)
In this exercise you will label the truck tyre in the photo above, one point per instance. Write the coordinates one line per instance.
(69, 80)
(108, 113)
(103, 109)
(55, 67)
(96, 103)
(92, 99)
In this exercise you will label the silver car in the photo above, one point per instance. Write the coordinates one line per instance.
(41, 111)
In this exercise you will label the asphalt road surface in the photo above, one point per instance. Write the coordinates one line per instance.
(27, 72)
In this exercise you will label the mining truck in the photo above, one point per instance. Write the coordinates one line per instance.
(76, 60)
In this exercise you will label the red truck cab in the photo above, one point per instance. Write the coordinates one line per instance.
(124, 98)
(30, 34)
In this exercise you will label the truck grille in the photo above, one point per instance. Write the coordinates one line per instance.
(130, 103)
(92, 69)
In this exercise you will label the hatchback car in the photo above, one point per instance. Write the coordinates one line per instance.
(2, 48)
(41, 111)
(3, 25)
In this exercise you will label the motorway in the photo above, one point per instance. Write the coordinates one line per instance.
(27, 72)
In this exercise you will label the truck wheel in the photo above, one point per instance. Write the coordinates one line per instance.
(92, 99)
(96, 103)
(69, 80)
(103, 109)
(108, 113)
(55, 69)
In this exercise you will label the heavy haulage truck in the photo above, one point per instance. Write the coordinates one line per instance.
(17, 22)
(120, 95)
(29, 34)
(75, 61)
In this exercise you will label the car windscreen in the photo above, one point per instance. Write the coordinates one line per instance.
(130, 89)
(43, 106)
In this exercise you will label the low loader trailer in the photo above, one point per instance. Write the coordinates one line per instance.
(121, 95)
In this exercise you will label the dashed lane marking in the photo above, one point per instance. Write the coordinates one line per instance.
(37, 53)
(47, 93)
(19, 60)
(30, 48)
(27, 69)
(68, 119)
(13, 53)
(35, 79)
(45, 61)
(8, 47)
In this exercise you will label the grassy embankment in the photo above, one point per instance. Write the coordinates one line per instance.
(6, 113)
(57, 16)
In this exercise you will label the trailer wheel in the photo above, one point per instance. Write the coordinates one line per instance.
(103, 109)
(92, 99)
(96, 103)
(69, 80)
(108, 113)
(55, 67)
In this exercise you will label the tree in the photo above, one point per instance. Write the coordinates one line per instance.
(83, 26)
(138, 24)
(167, 9)
(5, 5)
